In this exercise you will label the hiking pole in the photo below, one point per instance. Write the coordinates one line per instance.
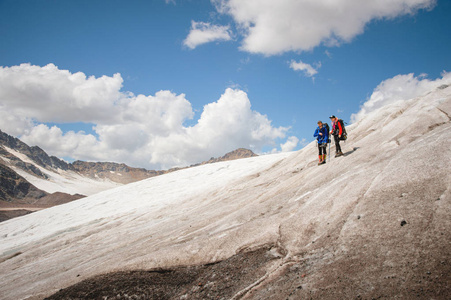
(329, 152)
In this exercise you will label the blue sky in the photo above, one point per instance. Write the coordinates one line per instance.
(146, 42)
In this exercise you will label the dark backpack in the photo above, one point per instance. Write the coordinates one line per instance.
(328, 132)
(344, 135)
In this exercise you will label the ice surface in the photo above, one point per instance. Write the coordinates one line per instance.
(140, 198)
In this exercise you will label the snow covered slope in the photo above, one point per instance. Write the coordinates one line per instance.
(52, 178)
(381, 211)
(65, 181)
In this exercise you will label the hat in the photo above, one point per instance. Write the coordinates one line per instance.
(332, 117)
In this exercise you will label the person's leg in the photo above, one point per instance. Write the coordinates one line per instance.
(337, 144)
(320, 153)
(339, 147)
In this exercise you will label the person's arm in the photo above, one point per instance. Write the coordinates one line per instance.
(340, 129)
(317, 132)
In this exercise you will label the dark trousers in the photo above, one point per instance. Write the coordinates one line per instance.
(322, 149)
(337, 143)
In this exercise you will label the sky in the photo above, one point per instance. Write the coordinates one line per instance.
(166, 83)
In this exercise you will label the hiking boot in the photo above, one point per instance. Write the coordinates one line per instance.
(339, 154)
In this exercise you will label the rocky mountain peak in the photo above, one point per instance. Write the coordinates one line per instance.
(35, 153)
(238, 153)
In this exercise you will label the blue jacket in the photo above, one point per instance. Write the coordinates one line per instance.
(322, 139)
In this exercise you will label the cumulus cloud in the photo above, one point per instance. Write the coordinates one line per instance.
(400, 87)
(202, 33)
(71, 144)
(140, 130)
(12, 123)
(308, 69)
(290, 144)
(271, 27)
(26, 90)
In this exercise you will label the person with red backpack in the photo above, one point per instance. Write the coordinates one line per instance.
(322, 136)
(339, 133)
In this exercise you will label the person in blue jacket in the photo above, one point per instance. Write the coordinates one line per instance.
(322, 136)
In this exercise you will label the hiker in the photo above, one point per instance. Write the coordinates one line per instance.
(339, 133)
(322, 136)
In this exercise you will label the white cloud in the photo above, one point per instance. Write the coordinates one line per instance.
(75, 145)
(145, 131)
(308, 70)
(202, 33)
(26, 90)
(271, 27)
(13, 123)
(400, 87)
(290, 144)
